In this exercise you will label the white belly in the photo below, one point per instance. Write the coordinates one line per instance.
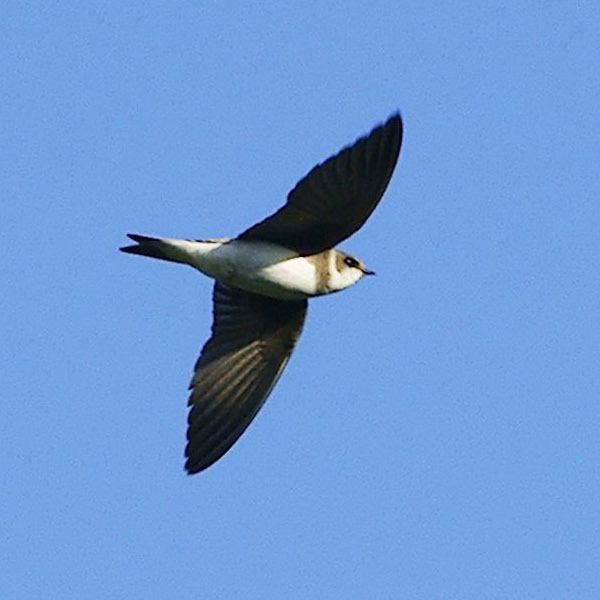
(257, 267)
(288, 279)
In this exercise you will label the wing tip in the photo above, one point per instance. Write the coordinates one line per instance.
(203, 461)
(395, 126)
(394, 118)
(192, 469)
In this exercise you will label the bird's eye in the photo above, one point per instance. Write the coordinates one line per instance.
(351, 262)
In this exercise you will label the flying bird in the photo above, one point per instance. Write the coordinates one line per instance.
(263, 279)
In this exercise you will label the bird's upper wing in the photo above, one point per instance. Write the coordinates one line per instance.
(336, 197)
(252, 339)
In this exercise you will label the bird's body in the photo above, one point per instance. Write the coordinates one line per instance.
(263, 279)
(260, 267)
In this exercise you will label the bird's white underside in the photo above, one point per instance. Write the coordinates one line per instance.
(261, 267)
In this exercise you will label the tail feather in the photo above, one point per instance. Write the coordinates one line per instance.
(153, 247)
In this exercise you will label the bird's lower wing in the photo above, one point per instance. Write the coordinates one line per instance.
(252, 339)
(336, 197)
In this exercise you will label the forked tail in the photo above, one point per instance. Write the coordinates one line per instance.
(163, 249)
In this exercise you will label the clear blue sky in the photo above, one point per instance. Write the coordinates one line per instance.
(437, 432)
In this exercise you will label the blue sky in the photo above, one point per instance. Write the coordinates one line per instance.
(436, 433)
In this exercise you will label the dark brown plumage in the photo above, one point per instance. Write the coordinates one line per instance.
(251, 342)
(336, 197)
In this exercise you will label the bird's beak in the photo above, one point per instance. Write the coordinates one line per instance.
(367, 272)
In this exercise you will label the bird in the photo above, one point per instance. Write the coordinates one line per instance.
(264, 278)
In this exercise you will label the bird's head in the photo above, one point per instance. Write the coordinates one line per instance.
(347, 271)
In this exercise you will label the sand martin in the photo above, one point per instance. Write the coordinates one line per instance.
(263, 279)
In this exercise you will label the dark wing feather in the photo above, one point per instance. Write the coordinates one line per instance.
(252, 339)
(336, 197)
